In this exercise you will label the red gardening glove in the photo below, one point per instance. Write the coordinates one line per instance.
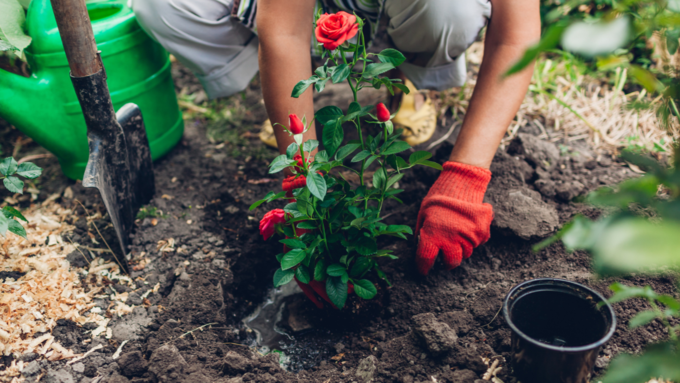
(315, 288)
(452, 217)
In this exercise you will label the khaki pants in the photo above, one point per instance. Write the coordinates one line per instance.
(222, 52)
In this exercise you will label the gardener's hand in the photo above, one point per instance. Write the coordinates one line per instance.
(452, 217)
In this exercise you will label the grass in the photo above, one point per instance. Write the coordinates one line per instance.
(567, 102)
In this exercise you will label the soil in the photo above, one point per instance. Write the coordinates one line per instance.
(422, 329)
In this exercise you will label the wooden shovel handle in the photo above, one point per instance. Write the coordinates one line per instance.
(77, 36)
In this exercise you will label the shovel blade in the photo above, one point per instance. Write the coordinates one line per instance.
(119, 165)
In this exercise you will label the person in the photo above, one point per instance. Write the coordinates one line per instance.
(225, 43)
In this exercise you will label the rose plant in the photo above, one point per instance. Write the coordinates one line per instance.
(330, 225)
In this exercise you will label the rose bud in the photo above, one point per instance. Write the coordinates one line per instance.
(383, 113)
(295, 125)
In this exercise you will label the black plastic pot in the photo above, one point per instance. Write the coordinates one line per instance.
(557, 330)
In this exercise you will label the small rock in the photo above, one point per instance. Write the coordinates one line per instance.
(339, 347)
(78, 367)
(296, 319)
(133, 299)
(437, 336)
(117, 379)
(380, 335)
(590, 164)
(132, 364)
(167, 364)
(28, 357)
(605, 161)
(463, 376)
(31, 369)
(568, 190)
(235, 363)
(366, 370)
(59, 376)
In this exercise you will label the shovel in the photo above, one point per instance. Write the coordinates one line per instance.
(119, 165)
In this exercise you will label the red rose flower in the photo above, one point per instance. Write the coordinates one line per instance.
(333, 30)
(270, 220)
(294, 124)
(382, 112)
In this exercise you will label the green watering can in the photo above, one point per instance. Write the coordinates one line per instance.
(44, 106)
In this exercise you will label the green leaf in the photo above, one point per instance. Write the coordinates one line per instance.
(292, 150)
(332, 136)
(281, 277)
(321, 85)
(669, 302)
(328, 113)
(12, 20)
(420, 156)
(402, 87)
(320, 271)
(337, 291)
(292, 258)
(14, 185)
(392, 56)
(379, 178)
(301, 86)
(361, 156)
(596, 38)
(623, 292)
(16, 228)
(294, 243)
(321, 156)
(394, 179)
(302, 275)
(12, 212)
(365, 289)
(645, 78)
(549, 41)
(369, 161)
(672, 40)
(8, 166)
(366, 246)
(431, 164)
(360, 267)
(317, 185)
(336, 270)
(373, 70)
(637, 245)
(642, 318)
(341, 73)
(309, 225)
(279, 163)
(396, 147)
(657, 361)
(309, 145)
(346, 151)
(29, 170)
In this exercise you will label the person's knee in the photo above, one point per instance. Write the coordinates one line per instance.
(151, 15)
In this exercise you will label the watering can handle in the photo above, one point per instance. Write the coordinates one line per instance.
(77, 36)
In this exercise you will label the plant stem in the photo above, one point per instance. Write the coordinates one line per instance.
(323, 228)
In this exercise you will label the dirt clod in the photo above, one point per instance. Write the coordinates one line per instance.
(167, 364)
(437, 336)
